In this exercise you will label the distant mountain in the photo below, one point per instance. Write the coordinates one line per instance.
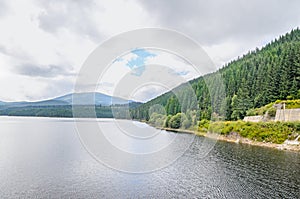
(88, 98)
(39, 103)
(62, 106)
(81, 99)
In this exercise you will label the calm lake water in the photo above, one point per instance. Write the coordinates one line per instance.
(44, 158)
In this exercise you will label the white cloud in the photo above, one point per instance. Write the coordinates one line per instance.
(178, 65)
(56, 36)
(42, 34)
(147, 93)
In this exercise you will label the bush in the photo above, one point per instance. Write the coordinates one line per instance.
(251, 112)
(176, 121)
(157, 119)
(203, 125)
(275, 132)
(186, 123)
(272, 112)
(167, 121)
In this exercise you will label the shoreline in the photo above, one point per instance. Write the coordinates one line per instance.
(237, 139)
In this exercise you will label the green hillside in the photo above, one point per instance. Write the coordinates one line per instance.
(260, 77)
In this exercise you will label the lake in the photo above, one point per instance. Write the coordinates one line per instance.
(44, 158)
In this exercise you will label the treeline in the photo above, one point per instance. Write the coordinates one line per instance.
(120, 111)
(260, 77)
(65, 111)
(38, 111)
(180, 120)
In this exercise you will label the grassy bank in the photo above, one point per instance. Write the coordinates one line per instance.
(268, 134)
(289, 104)
(273, 132)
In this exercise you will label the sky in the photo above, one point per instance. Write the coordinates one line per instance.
(43, 43)
(135, 64)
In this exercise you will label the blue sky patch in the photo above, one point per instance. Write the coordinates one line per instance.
(138, 63)
(182, 73)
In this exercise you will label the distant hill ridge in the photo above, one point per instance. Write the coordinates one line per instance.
(89, 98)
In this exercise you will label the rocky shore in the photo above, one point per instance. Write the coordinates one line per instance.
(284, 146)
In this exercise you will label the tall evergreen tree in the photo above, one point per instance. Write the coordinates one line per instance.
(253, 80)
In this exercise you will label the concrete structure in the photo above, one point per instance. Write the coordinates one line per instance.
(257, 118)
(287, 115)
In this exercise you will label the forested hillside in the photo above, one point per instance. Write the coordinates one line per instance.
(253, 80)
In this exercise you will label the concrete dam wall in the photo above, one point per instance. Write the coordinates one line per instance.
(282, 115)
(257, 118)
(287, 115)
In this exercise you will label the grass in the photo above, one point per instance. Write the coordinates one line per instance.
(274, 132)
(289, 104)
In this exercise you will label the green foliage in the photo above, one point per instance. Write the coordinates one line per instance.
(157, 119)
(203, 125)
(253, 80)
(272, 112)
(252, 112)
(275, 132)
(66, 111)
(263, 110)
(40, 111)
(167, 121)
(186, 122)
(289, 104)
(176, 121)
(241, 102)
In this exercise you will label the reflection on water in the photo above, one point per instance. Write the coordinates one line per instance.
(42, 158)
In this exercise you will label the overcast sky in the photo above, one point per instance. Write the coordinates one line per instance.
(44, 43)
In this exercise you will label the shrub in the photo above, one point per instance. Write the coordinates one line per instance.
(272, 112)
(167, 121)
(275, 132)
(157, 119)
(176, 120)
(186, 123)
(203, 125)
